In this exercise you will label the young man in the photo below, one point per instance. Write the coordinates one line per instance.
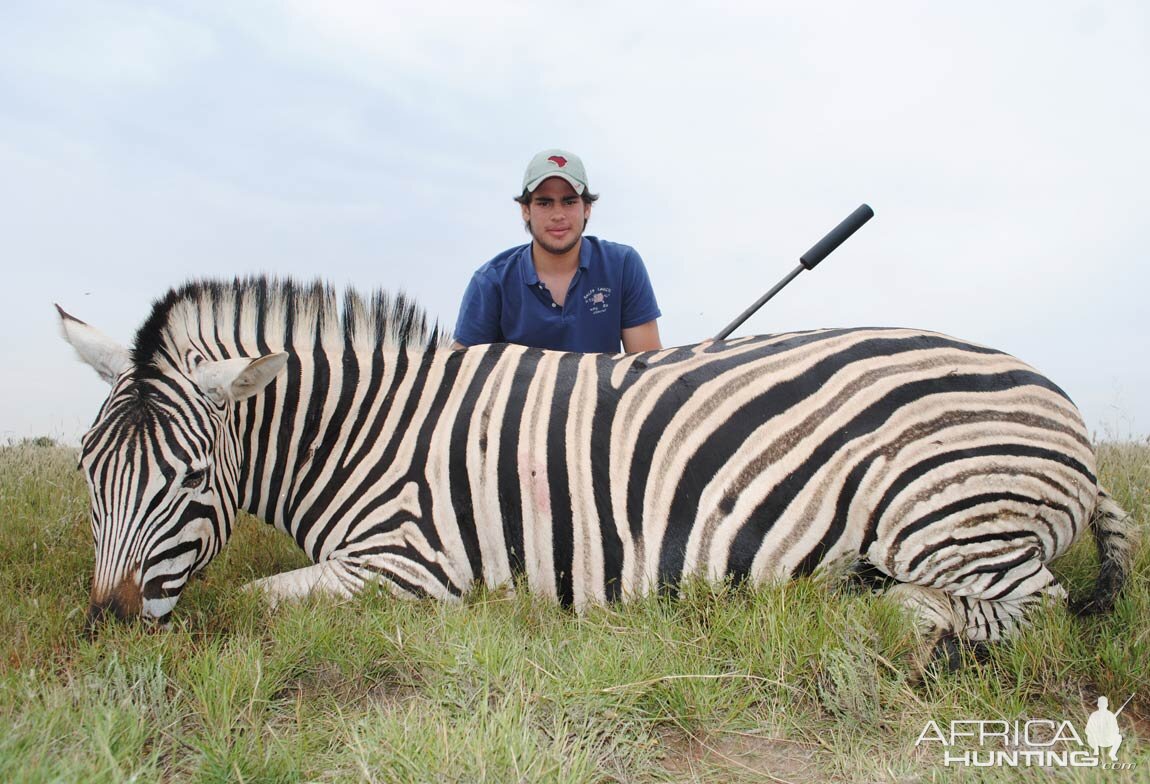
(561, 291)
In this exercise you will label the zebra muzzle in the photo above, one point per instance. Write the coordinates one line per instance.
(123, 603)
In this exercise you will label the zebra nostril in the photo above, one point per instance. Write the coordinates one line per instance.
(100, 612)
(123, 603)
(92, 622)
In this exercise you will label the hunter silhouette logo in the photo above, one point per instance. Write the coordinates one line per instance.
(558, 160)
(1102, 729)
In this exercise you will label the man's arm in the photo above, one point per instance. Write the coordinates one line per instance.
(642, 337)
(639, 305)
(478, 320)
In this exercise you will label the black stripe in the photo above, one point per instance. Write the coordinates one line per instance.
(606, 406)
(510, 501)
(405, 424)
(407, 554)
(288, 404)
(247, 436)
(956, 508)
(376, 415)
(268, 403)
(999, 450)
(716, 451)
(416, 472)
(959, 542)
(838, 524)
(774, 401)
(1005, 590)
(386, 575)
(324, 434)
(463, 430)
(154, 587)
(246, 412)
(219, 345)
(999, 567)
(562, 519)
(371, 409)
(866, 421)
(352, 373)
(339, 480)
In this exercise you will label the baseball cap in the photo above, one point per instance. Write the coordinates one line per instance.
(555, 163)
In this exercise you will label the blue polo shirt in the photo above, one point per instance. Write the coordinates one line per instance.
(506, 303)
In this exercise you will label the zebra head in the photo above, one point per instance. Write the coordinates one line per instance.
(161, 464)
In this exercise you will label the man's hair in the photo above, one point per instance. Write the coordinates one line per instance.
(525, 199)
(587, 196)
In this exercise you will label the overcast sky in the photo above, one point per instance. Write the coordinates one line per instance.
(1005, 148)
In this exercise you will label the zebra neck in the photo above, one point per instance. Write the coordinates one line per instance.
(342, 433)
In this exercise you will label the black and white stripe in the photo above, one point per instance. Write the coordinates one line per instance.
(954, 469)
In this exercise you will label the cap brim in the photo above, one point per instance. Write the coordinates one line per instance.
(578, 186)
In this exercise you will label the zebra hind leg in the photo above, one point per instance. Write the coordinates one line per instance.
(952, 623)
(933, 615)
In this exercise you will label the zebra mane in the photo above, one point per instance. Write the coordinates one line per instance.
(257, 315)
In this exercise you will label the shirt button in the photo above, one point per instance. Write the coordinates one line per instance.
(554, 304)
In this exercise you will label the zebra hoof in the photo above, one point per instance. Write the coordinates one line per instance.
(947, 653)
(1092, 605)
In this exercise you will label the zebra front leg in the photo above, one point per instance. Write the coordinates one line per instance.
(328, 578)
(344, 577)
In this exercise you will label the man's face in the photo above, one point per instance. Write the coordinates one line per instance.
(556, 215)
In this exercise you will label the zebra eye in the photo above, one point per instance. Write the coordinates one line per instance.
(195, 478)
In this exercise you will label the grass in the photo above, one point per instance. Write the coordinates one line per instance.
(806, 681)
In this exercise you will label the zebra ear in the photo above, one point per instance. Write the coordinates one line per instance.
(97, 350)
(230, 380)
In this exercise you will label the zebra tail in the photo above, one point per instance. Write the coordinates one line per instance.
(1116, 536)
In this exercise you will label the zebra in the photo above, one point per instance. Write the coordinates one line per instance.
(953, 470)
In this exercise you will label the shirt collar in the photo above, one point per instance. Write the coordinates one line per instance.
(527, 261)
